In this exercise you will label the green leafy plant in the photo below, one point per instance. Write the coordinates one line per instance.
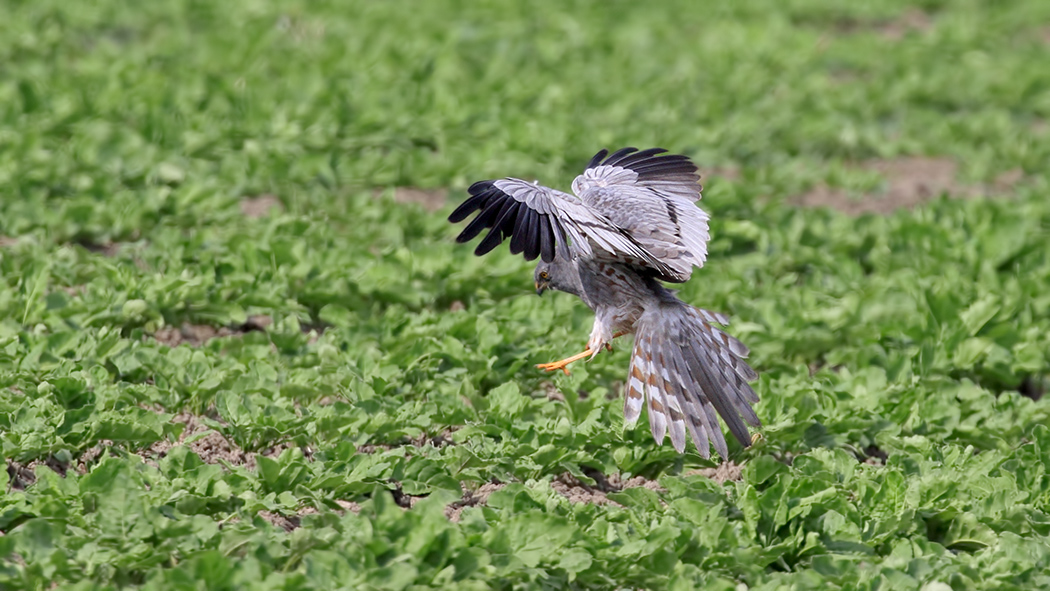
(239, 346)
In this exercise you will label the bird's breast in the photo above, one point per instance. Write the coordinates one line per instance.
(617, 293)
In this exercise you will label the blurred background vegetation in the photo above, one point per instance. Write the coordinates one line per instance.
(239, 345)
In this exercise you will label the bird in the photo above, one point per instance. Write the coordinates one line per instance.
(631, 223)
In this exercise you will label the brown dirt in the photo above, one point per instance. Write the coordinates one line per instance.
(371, 448)
(874, 456)
(471, 498)
(290, 522)
(348, 506)
(909, 182)
(109, 249)
(579, 492)
(6, 241)
(196, 335)
(193, 334)
(440, 440)
(724, 472)
(22, 475)
(276, 519)
(260, 206)
(552, 392)
(910, 21)
(430, 199)
(212, 448)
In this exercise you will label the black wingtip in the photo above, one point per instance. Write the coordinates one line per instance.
(619, 155)
(480, 195)
(481, 187)
(651, 163)
(596, 159)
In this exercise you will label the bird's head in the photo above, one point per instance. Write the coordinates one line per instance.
(559, 274)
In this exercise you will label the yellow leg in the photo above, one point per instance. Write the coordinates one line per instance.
(556, 365)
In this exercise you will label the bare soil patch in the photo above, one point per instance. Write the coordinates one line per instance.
(910, 21)
(727, 471)
(430, 199)
(212, 447)
(291, 522)
(909, 182)
(287, 523)
(441, 439)
(552, 392)
(580, 492)
(874, 456)
(197, 335)
(350, 506)
(371, 448)
(108, 249)
(260, 206)
(471, 498)
(20, 476)
(278, 520)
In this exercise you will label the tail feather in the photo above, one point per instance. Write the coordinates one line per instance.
(636, 380)
(657, 407)
(686, 389)
(733, 351)
(739, 392)
(714, 318)
(704, 369)
(699, 432)
(675, 394)
(690, 373)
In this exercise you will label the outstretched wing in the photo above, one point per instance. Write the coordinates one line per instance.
(544, 222)
(653, 198)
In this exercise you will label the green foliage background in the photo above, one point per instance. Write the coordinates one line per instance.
(143, 125)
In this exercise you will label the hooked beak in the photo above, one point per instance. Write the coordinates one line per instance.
(541, 287)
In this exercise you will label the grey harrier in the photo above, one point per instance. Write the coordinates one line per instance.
(632, 223)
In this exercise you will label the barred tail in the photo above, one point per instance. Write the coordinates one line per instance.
(691, 373)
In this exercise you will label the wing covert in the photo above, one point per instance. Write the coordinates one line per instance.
(652, 196)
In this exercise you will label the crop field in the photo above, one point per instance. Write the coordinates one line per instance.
(240, 348)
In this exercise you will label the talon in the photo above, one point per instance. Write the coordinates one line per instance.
(554, 366)
(755, 438)
(563, 363)
(608, 346)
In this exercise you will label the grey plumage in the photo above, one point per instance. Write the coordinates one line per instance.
(632, 221)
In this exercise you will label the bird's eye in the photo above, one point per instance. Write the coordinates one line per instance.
(544, 275)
